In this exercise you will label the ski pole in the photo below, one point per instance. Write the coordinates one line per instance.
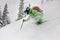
(21, 25)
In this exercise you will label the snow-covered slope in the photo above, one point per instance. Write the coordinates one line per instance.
(30, 31)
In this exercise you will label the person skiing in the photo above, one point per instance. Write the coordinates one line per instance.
(34, 13)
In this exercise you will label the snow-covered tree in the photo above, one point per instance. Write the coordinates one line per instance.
(5, 17)
(20, 15)
(1, 22)
(0, 13)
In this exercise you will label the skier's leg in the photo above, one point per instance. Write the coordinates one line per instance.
(40, 21)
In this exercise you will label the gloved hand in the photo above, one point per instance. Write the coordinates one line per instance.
(24, 20)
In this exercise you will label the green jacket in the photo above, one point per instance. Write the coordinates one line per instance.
(34, 13)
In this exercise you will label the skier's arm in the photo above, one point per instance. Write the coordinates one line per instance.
(26, 19)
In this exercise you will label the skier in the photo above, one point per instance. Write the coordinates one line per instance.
(34, 13)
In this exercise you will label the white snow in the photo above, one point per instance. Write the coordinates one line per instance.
(30, 31)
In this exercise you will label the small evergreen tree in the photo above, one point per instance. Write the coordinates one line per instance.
(0, 12)
(5, 17)
(20, 15)
(1, 22)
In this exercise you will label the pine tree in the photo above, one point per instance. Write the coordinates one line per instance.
(0, 12)
(20, 15)
(6, 19)
(1, 22)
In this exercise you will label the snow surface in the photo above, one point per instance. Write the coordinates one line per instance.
(30, 31)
